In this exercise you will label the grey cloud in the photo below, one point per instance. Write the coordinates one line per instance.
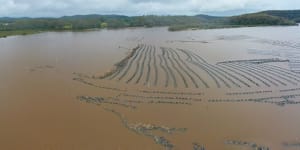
(41, 8)
(158, 1)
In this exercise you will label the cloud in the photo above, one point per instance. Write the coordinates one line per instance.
(55, 8)
(9, 6)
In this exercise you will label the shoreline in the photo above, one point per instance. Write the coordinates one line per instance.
(5, 34)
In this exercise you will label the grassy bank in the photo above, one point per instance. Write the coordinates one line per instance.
(4, 34)
(201, 26)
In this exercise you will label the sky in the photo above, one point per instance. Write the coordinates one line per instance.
(57, 8)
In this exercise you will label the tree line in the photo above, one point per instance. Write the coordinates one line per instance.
(83, 22)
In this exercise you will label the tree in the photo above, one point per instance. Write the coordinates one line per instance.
(103, 25)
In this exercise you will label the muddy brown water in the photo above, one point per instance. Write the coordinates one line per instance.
(39, 109)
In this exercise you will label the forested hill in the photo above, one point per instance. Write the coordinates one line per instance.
(79, 22)
(274, 17)
(288, 14)
(12, 26)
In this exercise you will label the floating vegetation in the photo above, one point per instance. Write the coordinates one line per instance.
(271, 52)
(165, 70)
(98, 86)
(40, 68)
(291, 54)
(221, 73)
(81, 75)
(187, 41)
(170, 92)
(197, 146)
(240, 74)
(291, 144)
(251, 145)
(278, 100)
(283, 70)
(233, 37)
(276, 72)
(169, 102)
(142, 91)
(164, 142)
(155, 67)
(101, 100)
(249, 73)
(181, 68)
(131, 62)
(260, 74)
(161, 97)
(128, 103)
(137, 64)
(120, 65)
(147, 130)
(164, 57)
(290, 90)
(178, 68)
(172, 60)
(135, 39)
(255, 61)
(141, 71)
(190, 59)
(287, 44)
(249, 92)
(212, 71)
(270, 74)
(189, 71)
(148, 67)
(234, 77)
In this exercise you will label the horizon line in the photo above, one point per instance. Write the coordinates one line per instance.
(116, 14)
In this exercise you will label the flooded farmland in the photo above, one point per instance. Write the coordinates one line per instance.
(151, 89)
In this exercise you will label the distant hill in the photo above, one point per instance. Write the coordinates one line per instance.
(207, 17)
(288, 14)
(260, 18)
(9, 26)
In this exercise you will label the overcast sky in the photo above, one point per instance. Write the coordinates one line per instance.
(56, 8)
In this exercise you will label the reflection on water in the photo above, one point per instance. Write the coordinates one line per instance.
(151, 89)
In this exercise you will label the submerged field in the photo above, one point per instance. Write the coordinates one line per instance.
(150, 89)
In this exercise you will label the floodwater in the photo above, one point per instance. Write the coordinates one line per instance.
(173, 90)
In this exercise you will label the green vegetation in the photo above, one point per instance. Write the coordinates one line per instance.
(201, 26)
(260, 19)
(288, 14)
(4, 34)
(21, 26)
